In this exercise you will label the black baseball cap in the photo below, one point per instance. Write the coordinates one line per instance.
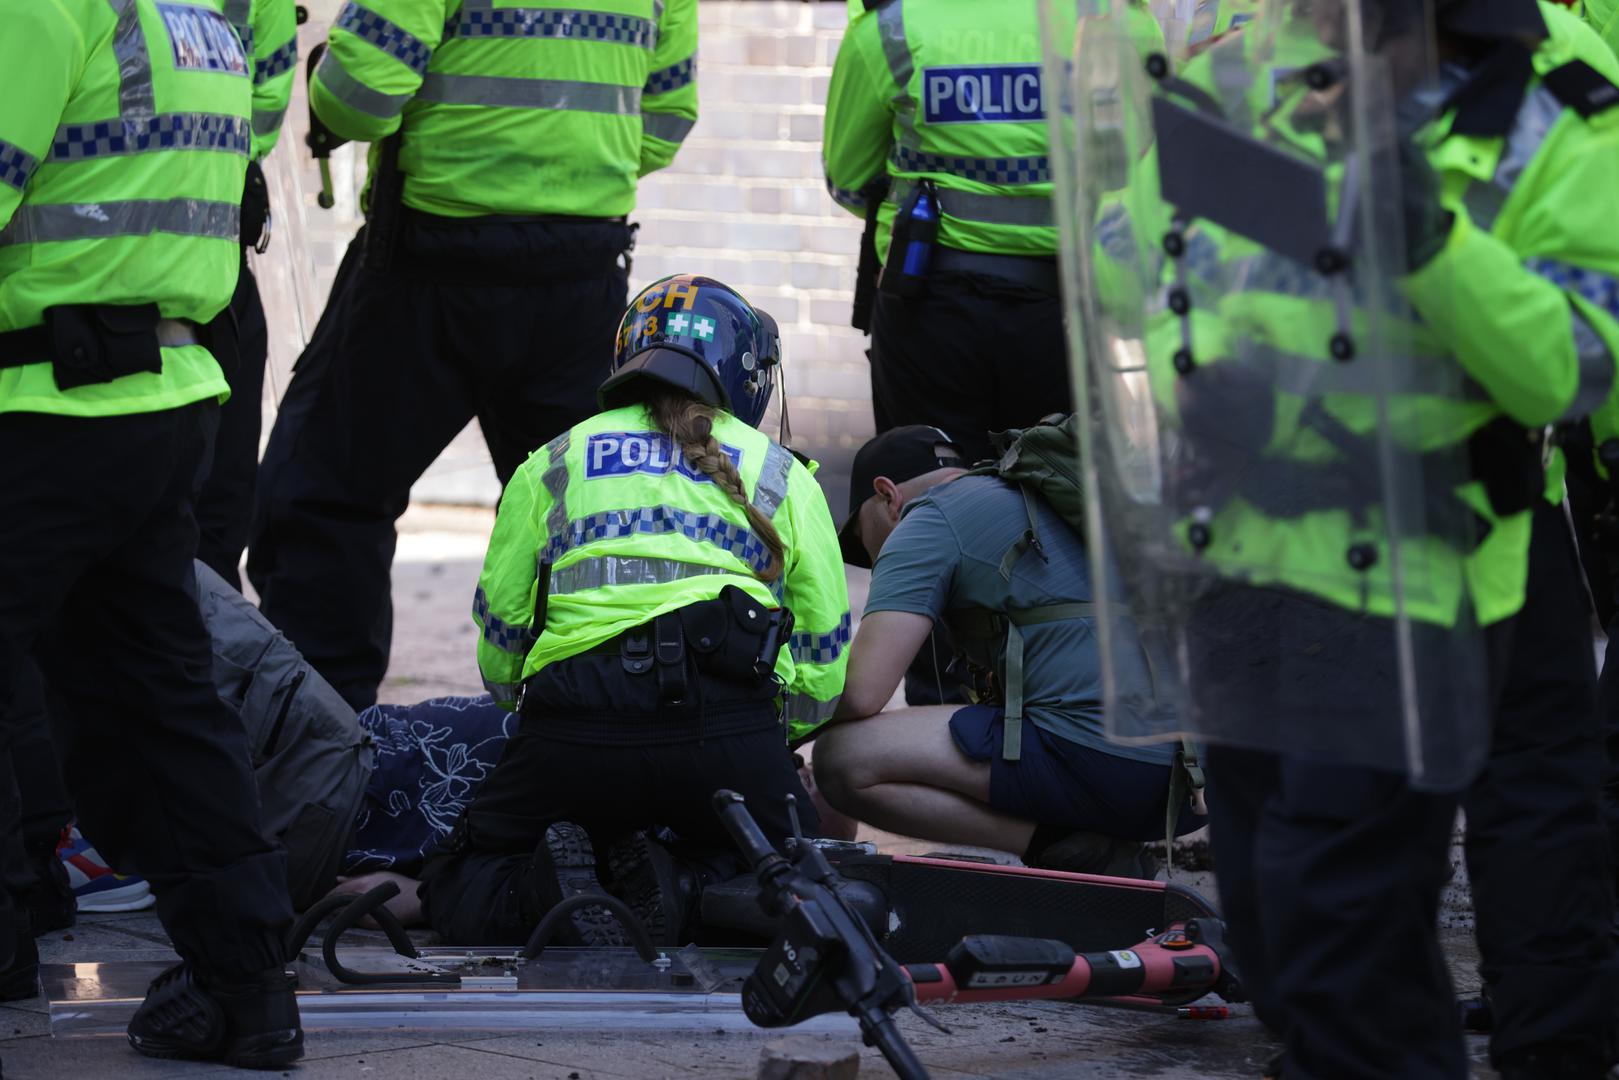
(901, 454)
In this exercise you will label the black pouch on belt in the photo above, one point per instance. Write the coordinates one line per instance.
(97, 343)
(1506, 457)
(727, 633)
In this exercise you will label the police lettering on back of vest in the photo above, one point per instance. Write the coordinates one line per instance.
(620, 453)
(982, 93)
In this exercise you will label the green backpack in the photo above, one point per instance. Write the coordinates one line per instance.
(1042, 462)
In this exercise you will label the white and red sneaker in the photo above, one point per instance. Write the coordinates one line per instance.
(97, 886)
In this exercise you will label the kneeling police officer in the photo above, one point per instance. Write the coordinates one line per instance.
(664, 602)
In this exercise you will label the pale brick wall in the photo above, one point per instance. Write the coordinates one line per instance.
(744, 201)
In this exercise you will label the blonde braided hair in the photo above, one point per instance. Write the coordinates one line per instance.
(690, 424)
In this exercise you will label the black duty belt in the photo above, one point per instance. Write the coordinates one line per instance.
(87, 344)
(1036, 273)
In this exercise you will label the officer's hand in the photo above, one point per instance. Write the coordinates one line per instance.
(1427, 223)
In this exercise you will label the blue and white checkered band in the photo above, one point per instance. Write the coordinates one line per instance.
(16, 165)
(810, 648)
(556, 23)
(672, 77)
(277, 63)
(169, 131)
(396, 41)
(203, 40)
(620, 453)
(705, 528)
(1013, 170)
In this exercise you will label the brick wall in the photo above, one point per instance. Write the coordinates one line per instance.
(744, 201)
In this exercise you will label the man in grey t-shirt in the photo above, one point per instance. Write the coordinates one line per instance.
(1070, 800)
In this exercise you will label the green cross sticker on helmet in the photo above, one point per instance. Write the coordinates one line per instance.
(700, 327)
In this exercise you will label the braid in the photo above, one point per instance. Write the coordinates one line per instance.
(690, 424)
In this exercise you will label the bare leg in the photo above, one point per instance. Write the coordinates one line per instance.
(901, 771)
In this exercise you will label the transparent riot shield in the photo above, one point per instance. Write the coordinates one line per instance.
(1280, 514)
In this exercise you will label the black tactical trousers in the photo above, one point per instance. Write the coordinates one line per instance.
(96, 544)
(975, 354)
(225, 503)
(1330, 876)
(508, 321)
(1538, 849)
(597, 747)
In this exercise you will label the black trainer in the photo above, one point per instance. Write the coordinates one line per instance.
(251, 1024)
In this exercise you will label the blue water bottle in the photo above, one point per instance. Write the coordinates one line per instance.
(916, 229)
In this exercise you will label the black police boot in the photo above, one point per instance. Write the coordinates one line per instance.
(574, 861)
(249, 1024)
(50, 904)
(19, 979)
(642, 873)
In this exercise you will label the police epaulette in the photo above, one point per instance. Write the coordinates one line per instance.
(803, 458)
(1581, 87)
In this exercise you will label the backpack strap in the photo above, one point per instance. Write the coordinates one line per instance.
(1029, 539)
(1012, 732)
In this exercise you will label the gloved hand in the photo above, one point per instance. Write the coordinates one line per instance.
(1427, 223)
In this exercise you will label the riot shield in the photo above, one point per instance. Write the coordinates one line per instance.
(1280, 514)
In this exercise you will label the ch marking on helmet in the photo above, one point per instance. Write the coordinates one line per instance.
(620, 453)
(203, 40)
(982, 93)
(656, 297)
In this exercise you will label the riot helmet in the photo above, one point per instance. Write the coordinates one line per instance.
(700, 336)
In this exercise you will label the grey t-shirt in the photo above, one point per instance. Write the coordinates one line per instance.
(946, 555)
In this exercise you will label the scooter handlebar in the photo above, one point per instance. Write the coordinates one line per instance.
(744, 830)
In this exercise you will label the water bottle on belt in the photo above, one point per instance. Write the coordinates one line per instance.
(916, 229)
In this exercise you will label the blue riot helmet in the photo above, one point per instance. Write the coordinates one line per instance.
(697, 335)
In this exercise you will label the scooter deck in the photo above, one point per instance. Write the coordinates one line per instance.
(935, 901)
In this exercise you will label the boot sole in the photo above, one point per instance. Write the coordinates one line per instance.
(274, 1050)
(575, 862)
(636, 883)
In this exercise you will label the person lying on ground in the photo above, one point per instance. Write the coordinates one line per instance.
(941, 543)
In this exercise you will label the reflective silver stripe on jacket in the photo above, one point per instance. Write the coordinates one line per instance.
(266, 121)
(35, 223)
(1035, 210)
(502, 691)
(391, 38)
(141, 135)
(481, 20)
(1308, 376)
(803, 709)
(1596, 365)
(897, 51)
(666, 126)
(516, 93)
(555, 482)
(603, 571)
(702, 527)
(771, 487)
(1536, 117)
(354, 93)
(135, 99)
(16, 165)
(238, 13)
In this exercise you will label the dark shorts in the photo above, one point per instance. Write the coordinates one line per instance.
(1057, 782)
